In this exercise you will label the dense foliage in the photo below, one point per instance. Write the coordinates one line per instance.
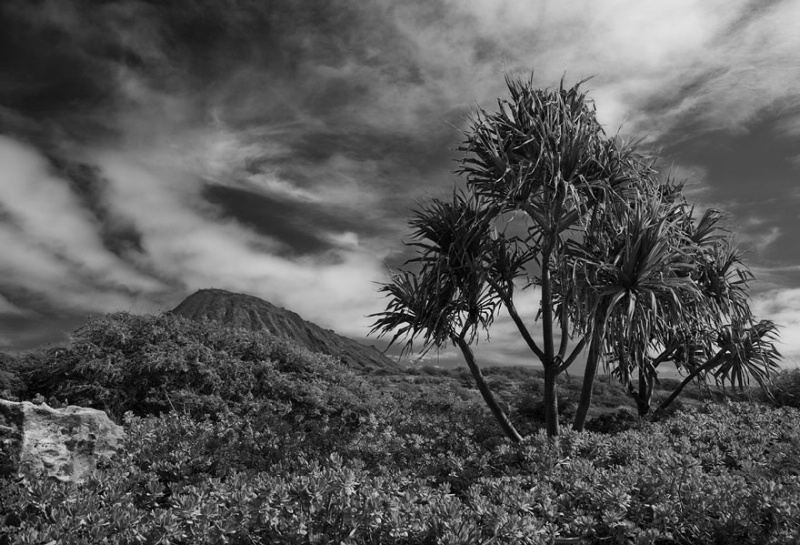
(155, 364)
(10, 383)
(311, 453)
(785, 389)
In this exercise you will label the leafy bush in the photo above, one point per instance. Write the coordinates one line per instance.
(155, 364)
(614, 422)
(182, 481)
(533, 408)
(515, 373)
(785, 388)
(11, 385)
(271, 444)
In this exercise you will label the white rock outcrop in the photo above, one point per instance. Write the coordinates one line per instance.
(61, 443)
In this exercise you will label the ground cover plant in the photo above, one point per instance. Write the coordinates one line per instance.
(314, 453)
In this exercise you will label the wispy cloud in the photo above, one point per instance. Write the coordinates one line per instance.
(185, 242)
(758, 234)
(52, 243)
(782, 306)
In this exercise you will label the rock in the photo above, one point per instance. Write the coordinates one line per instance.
(61, 443)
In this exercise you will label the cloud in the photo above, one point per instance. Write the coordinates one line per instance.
(789, 122)
(637, 51)
(758, 234)
(750, 67)
(51, 241)
(406, 69)
(716, 64)
(185, 241)
(7, 308)
(782, 306)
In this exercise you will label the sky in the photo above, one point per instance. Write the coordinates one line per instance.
(149, 149)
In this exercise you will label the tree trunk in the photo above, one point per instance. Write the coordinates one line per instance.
(551, 399)
(486, 392)
(646, 383)
(666, 403)
(549, 362)
(547, 311)
(710, 364)
(592, 361)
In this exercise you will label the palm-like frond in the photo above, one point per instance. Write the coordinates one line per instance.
(544, 151)
(749, 353)
(745, 352)
(449, 294)
(723, 281)
(634, 266)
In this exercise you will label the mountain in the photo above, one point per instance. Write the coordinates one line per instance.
(246, 311)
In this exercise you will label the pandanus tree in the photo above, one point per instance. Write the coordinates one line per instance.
(643, 354)
(544, 159)
(732, 347)
(536, 170)
(551, 202)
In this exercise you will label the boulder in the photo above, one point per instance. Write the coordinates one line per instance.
(61, 443)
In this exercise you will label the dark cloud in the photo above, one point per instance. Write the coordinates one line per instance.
(21, 334)
(41, 324)
(395, 151)
(46, 70)
(58, 67)
(296, 225)
(88, 70)
(118, 235)
(68, 57)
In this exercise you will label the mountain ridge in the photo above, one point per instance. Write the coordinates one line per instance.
(256, 314)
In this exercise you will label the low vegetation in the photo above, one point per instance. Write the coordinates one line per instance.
(236, 438)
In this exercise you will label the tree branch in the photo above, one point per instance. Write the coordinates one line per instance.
(512, 311)
(486, 392)
(562, 349)
(573, 355)
(707, 366)
(547, 312)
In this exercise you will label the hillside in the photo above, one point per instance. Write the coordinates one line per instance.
(254, 314)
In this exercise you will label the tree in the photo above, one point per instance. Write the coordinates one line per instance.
(536, 172)
(620, 262)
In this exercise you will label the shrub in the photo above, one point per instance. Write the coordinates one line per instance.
(614, 422)
(785, 389)
(668, 482)
(532, 408)
(11, 384)
(154, 364)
